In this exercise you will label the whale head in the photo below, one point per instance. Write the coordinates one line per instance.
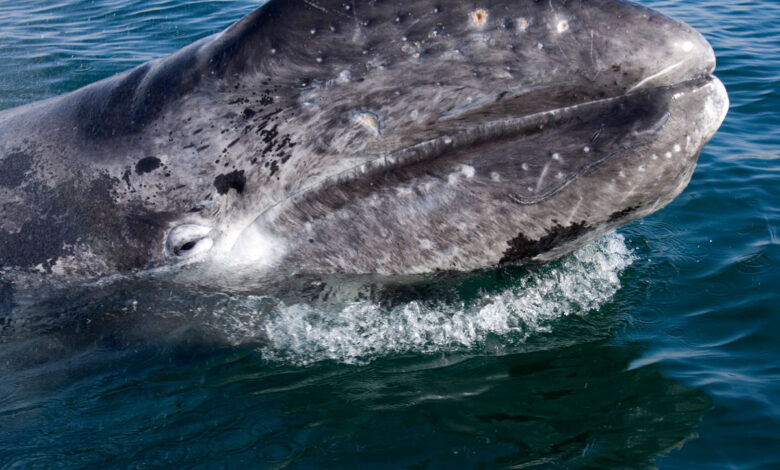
(372, 137)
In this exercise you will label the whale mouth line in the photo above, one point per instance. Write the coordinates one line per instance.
(459, 138)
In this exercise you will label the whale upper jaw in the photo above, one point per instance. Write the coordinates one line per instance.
(580, 161)
(650, 163)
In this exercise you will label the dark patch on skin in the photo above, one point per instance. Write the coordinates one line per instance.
(146, 165)
(248, 113)
(14, 168)
(83, 212)
(622, 214)
(43, 238)
(234, 180)
(266, 99)
(126, 177)
(521, 249)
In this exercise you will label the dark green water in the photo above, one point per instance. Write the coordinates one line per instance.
(654, 346)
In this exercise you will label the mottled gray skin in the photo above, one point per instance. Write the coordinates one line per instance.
(360, 137)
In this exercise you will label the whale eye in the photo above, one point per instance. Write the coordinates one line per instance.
(188, 240)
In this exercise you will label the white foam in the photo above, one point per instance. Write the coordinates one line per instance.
(361, 331)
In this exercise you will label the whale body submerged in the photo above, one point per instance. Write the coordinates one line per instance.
(364, 137)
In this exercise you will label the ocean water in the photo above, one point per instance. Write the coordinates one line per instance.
(654, 346)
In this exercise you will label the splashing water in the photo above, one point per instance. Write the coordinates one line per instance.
(361, 330)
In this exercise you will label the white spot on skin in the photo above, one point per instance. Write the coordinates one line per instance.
(368, 120)
(344, 77)
(523, 24)
(687, 46)
(414, 115)
(559, 175)
(556, 156)
(563, 25)
(622, 174)
(668, 155)
(251, 246)
(539, 45)
(479, 17)
(642, 168)
(677, 147)
(586, 149)
(447, 139)
(467, 171)
(495, 176)
(541, 176)
(654, 157)
(524, 166)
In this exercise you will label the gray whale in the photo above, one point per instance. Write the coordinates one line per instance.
(364, 137)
